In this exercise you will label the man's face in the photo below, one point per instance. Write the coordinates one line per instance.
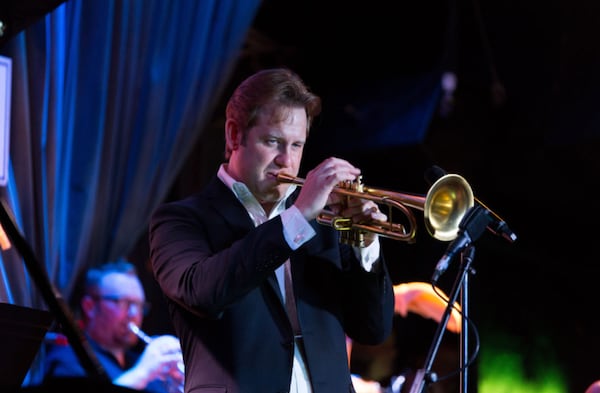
(119, 301)
(271, 147)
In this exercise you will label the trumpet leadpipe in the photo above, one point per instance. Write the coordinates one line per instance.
(138, 332)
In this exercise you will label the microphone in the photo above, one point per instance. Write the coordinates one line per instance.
(471, 227)
(497, 225)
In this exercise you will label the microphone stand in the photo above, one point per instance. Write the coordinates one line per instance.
(471, 227)
(467, 257)
(425, 376)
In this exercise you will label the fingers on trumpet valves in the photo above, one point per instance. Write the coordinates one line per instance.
(376, 215)
(365, 213)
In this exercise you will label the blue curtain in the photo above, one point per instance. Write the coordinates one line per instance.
(108, 98)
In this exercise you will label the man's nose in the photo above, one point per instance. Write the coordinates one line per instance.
(284, 157)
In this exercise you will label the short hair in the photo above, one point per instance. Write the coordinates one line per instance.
(94, 275)
(279, 86)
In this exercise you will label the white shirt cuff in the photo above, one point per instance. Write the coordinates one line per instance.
(296, 229)
(368, 255)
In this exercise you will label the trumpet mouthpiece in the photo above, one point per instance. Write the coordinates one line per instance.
(138, 332)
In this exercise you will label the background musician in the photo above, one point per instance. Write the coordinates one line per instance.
(113, 298)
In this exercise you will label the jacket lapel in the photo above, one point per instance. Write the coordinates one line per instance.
(224, 201)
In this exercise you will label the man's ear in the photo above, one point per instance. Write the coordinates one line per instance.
(233, 135)
(88, 306)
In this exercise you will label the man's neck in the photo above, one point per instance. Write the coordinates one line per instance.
(268, 207)
(116, 351)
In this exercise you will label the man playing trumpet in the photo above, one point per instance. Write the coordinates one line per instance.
(114, 299)
(224, 257)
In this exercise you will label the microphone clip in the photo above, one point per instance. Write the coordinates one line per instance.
(475, 222)
(471, 227)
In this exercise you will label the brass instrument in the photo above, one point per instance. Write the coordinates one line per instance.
(444, 206)
(171, 385)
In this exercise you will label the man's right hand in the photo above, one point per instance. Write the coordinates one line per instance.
(317, 189)
(161, 359)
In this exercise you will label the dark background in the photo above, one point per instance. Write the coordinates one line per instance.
(514, 65)
(527, 89)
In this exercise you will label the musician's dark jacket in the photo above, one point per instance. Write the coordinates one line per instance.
(217, 271)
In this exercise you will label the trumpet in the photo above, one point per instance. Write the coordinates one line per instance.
(171, 385)
(444, 205)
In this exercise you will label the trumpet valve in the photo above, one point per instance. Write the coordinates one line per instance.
(353, 237)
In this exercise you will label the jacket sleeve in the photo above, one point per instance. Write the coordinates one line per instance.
(205, 259)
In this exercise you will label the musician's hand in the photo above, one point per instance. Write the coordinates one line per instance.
(364, 211)
(317, 189)
(161, 359)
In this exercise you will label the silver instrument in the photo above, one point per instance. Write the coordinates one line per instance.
(172, 387)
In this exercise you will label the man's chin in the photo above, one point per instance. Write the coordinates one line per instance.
(130, 337)
(131, 341)
(273, 195)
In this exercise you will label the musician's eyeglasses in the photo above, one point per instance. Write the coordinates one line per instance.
(125, 304)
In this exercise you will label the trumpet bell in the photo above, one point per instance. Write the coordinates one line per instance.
(448, 200)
